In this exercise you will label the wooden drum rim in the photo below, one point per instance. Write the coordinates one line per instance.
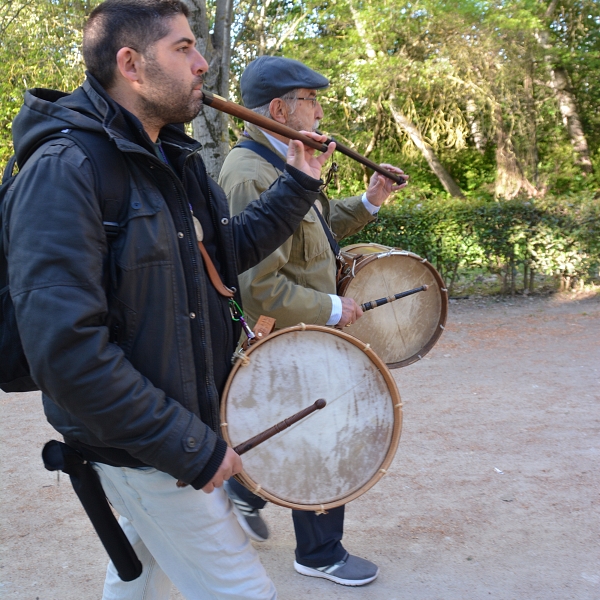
(245, 479)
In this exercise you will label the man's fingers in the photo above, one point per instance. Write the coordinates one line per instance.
(326, 155)
(391, 168)
(318, 137)
(230, 466)
(351, 311)
(395, 186)
(208, 488)
(380, 186)
(295, 148)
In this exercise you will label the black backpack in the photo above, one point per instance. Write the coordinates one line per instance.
(113, 191)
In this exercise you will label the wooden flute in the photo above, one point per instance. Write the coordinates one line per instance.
(231, 108)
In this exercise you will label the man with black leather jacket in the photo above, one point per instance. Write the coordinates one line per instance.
(129, 340)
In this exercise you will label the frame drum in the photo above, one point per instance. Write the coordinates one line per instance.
(335, 454)
(403, 331)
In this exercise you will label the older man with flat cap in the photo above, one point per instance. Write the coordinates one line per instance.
(297, 282)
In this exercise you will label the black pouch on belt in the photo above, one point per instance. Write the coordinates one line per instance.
(87, 486)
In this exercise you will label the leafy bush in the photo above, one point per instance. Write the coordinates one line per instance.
(552, 236)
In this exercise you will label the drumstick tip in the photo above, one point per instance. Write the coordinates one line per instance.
(425, 288)
(320, 403)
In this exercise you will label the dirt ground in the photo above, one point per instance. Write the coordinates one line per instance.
(494, 491)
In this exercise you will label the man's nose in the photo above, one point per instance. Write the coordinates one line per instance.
(319, 114)
(200, 64)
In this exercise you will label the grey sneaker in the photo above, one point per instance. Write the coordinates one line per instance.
(248, 517)
(350, 571)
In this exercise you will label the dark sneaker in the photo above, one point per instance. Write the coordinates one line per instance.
(248, 517)
(350, 571)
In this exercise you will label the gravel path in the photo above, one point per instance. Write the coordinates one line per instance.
(494, 491)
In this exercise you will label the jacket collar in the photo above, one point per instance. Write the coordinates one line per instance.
(258, 135)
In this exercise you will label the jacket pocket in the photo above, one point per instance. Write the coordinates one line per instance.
(146, 236)
(314, 239)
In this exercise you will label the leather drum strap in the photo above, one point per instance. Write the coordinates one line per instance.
(213, 275)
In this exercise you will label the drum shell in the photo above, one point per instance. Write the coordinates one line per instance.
(346, 447)
(403, 331)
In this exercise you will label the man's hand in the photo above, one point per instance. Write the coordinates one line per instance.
(350, 312)
(380, 186)
(303, 158)
(231, 465)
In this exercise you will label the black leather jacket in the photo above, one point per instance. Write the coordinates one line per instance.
(152, 390)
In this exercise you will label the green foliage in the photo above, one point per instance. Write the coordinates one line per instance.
(430, 59)
(553, 236)
(447, 67)
(40, 43)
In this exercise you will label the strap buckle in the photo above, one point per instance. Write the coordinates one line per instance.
(112, 229)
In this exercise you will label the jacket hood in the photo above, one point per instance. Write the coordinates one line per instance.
(47, 112)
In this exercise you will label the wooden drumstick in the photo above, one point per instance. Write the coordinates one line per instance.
(269, 433)
(375, 303)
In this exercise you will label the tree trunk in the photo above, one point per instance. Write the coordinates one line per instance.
(509, 175)
(373, 141)
(432, 160)
(570, 115)
(210, 127)
(362, 32)
(532, 122)
(561, 84)
(513, 276)
(415, 135)
(475, 125)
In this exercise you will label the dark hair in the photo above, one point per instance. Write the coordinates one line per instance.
(117, 24)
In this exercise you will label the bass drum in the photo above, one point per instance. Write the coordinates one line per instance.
(335, 454)
(403, 331)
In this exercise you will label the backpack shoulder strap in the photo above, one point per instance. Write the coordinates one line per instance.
(263, 152)
(110, 174)
(10, 167)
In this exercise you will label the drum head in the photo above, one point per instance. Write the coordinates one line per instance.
(402, 331)
(336, 453)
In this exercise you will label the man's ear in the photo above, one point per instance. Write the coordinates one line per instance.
(278, 110)
(129, 63)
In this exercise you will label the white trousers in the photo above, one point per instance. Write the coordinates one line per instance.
(181, 535)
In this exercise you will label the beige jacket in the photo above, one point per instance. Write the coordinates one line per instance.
(293, 284)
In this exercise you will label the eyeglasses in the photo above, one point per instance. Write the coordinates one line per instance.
(310, 99)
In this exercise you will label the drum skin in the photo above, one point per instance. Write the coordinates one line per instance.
(402, 331)
(335, 454)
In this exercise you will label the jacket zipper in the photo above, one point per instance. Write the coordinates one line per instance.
(184, 209)
(214, 414)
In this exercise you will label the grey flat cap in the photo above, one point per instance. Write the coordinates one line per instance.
(270, 77)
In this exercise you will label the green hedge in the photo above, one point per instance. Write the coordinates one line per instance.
(550, 236)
